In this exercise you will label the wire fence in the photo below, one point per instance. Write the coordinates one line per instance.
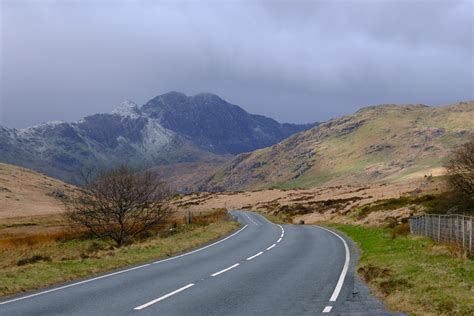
(448, 229)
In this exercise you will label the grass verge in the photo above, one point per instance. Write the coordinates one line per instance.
(27, 268)
(413, 274)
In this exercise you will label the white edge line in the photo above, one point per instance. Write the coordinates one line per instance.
(254, 256)
(271, 246)
(119, 272)
(205, 247)
(340, 282)
(279, 239)
(327, 309)
(163, 297)
(226, 269)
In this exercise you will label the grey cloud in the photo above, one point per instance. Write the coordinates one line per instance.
(295, 61)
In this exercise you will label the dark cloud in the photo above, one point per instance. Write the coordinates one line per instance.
(295, 61)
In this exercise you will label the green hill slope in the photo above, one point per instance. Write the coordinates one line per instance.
(385, 142)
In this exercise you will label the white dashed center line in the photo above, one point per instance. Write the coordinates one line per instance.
(250, 219)
(163, 297)
(327, 309)
(226, 269)
(254, 256)
(271, 246)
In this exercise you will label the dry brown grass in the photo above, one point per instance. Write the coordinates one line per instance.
(24, 193)
(47, 258)
(320, 204)
(24, 232)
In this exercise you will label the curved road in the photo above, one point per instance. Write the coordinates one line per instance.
(260, 269)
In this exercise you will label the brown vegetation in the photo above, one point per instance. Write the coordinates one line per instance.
(461, 175)
(27, 193)
(362, 204)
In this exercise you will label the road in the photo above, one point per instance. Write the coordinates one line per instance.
(262, 268)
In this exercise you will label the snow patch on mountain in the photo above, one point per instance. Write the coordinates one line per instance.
(156, 136)
(127, 109)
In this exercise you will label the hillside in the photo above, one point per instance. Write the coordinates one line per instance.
(386, 142)
(26, 193)
(171, 128)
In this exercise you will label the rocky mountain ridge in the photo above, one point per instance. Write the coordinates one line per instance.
(171, 128)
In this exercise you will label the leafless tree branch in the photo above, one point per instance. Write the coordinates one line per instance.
(120, 204)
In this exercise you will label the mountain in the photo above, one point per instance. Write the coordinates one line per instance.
(171, 128)
(216, 125)
(386, 142)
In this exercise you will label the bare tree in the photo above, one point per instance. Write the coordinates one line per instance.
(461, 174)
(120, 204)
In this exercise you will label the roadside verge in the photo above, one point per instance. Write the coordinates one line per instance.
(412, 274)
(54, 262)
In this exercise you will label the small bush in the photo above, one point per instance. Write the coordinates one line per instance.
(456, 251)
(33, 259)
(391, 222)
(95, 247)
(400, 230)
(58, 194)
(370, 272)
(391, 285)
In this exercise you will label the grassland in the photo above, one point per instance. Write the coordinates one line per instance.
(383, 143)
(34, 265)
(412, 274)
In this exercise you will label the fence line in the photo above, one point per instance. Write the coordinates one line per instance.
(457, 229)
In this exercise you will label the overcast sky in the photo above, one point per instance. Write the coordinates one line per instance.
(294, 61)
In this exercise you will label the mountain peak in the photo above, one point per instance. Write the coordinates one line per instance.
(170, 97)
(215, 124)
(208, 97)
(127, 109)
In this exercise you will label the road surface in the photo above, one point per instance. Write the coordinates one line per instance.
(262, 268)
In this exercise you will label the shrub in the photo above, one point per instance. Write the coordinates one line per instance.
(33, 259)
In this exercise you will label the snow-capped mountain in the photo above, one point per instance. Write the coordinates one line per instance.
(168, 129)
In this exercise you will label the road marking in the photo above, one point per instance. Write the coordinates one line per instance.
(340, 282)
(119, 272)
(200, 249)
(254, 256)
(327, 309)
(226, 269)
(74, 284)
(279, 239)
(271, 246)
(250, 219)
(163, 297)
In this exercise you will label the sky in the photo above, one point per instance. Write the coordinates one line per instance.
(294, 61)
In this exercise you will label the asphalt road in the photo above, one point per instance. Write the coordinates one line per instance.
(260, 269)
